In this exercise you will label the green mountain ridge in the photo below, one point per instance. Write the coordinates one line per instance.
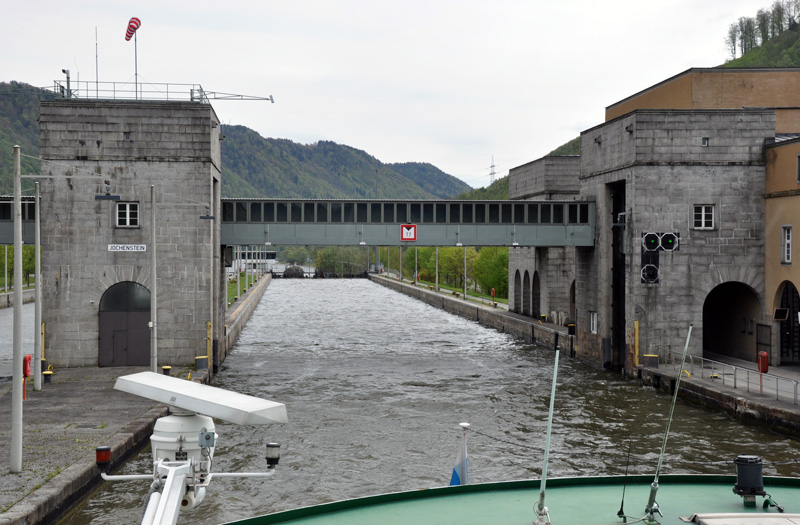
(252, 166)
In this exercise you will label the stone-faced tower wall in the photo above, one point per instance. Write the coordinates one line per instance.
(549, 178)
(132, 145)
(656, 166)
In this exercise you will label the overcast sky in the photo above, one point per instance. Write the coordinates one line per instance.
(453, 83)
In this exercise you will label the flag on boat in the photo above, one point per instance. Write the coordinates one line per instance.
(133, 25)
(461, 471)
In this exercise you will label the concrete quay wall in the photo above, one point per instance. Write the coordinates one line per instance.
(236, 320)
(751, 408)
(7, 299)
(529, 330)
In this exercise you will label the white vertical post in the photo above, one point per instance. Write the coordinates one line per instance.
(238, 272)
(465, 273)
(416, 270)
(5, 271)
(16, 388)
(211, 280)
(37, 316)
(153, 288)
(437, 268)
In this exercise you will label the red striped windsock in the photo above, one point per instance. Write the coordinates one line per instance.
(133, 25)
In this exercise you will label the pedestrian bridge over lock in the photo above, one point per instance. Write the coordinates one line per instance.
(345, 222)
(330, 222)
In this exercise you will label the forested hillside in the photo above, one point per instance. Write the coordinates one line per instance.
(19, 125)
(252, 166)
(498, 190)
(749, 33)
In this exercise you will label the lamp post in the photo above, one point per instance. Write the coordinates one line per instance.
(16, 387)
(153, 289)
(37, 324)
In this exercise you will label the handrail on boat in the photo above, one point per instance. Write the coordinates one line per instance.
(717, 370)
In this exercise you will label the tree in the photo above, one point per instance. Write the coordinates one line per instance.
(778, 17)
(28, 263)
(763, 25)
(491, 270)
(732, 39)
(747, 34)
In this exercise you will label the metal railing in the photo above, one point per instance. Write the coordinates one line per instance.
(732, 376)
(130, 91)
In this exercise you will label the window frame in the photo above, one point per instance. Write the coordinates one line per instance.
(797, 169)
(786, 244)
(705, 210)
(593, 322)
(128, 207)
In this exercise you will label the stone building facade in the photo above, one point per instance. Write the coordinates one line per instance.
(700, 176)
(709, 159)
(96, 252)
(542, 280)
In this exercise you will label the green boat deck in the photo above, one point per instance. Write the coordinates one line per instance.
(571, 501)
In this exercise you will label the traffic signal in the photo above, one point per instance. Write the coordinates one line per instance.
(650, 273)
(654, 241)
(651, 241)
(670, 241)
(649, 267)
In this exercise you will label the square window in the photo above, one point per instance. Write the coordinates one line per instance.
(703, 217)
(127, 214)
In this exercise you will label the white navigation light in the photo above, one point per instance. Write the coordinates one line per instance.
(203, 399)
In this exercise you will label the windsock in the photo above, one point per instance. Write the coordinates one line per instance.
(133, 25)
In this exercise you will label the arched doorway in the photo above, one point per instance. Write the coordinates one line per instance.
(526, 294)
(123, 317)
(789, 338)
(731, 313)
(536, 306)
(517, 293)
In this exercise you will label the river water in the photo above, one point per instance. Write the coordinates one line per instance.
(375, 385)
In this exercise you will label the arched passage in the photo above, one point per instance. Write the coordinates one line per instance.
(789, 337)
(730, 314)
(517, 293)
(124, 335)
(536, 306)
(526, 294)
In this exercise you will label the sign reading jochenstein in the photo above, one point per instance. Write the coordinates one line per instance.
(127, 247)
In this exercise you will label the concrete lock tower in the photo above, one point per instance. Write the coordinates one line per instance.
(114, 175)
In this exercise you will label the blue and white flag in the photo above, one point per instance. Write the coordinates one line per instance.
(461, 471)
